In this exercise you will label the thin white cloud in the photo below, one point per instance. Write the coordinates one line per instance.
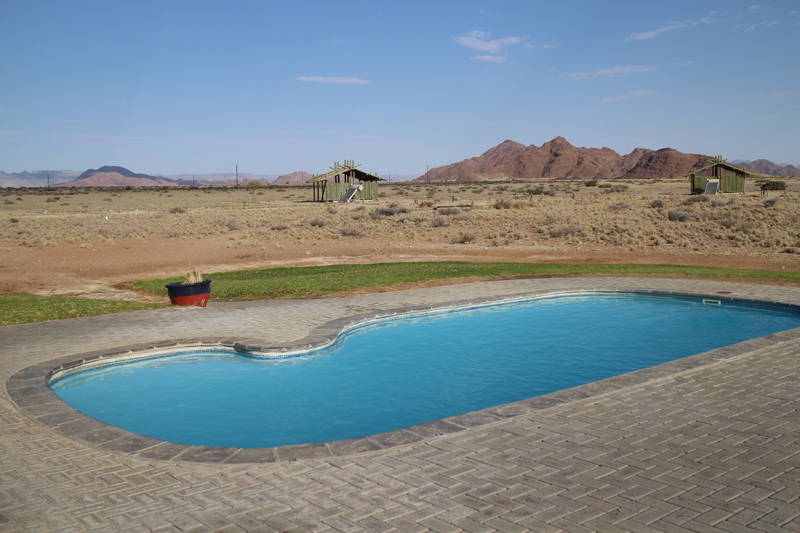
(481, 41)
(491, 58)
(551, 45)
(675, 25)
(628, 95)
(762, 24)
(653, 33)
(612, 72)
(341, 81)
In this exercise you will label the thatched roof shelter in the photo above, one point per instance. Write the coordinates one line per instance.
(717, 176)
(344, 183)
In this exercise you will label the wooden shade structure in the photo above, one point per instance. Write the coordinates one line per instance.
(334, 185)
(727, 178)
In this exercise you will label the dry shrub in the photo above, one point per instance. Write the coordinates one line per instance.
(678, 216)
(177, 209)
(390, 210)
(696, 199)
(318, 222)
(657, 203)
(771, 202)
(768, 185)
(280, 227)
(746, 226)
(439, 222)
(352, 232)
(538, 191)
(448, 211)
(427, 203)
(463, 238)
(563, 231)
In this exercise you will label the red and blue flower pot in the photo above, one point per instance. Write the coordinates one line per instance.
(189, 293)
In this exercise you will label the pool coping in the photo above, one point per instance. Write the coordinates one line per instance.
(29, 387)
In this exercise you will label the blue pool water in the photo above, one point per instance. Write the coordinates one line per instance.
(404, 372)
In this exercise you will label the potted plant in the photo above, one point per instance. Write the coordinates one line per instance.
(193, 290)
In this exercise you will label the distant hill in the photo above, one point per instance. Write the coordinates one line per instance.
(295, 178)
(559, 159)
(763, 166)
(111, 176)
(36, 178)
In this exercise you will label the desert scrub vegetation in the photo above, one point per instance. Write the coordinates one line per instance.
(577, 215)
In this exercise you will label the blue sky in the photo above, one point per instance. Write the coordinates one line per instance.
(170, 87)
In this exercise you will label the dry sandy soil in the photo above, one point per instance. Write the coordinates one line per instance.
(93, 243)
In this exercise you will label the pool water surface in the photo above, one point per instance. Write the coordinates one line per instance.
(403, 372)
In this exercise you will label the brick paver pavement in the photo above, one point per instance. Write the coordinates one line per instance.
(709, 443)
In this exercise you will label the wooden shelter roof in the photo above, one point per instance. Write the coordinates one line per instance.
(719, 162)
(349, 169)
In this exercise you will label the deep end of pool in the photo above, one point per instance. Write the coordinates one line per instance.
(34, 394)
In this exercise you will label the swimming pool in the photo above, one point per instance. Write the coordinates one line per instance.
(399, 373)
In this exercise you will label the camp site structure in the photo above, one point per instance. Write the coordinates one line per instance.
(717, 176)
(345, 183)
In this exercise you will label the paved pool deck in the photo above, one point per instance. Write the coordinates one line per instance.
(710, 442)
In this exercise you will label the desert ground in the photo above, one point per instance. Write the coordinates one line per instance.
(94, 242)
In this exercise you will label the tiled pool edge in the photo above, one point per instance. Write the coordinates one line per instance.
(29, 389)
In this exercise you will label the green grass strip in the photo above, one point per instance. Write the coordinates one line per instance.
(26, 308)
(307, 282)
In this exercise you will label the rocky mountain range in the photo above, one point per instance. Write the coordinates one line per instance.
(559, 159)
(768, 168)
(508, 160)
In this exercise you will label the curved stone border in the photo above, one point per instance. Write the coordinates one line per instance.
(30, 390)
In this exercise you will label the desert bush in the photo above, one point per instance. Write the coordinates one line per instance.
(280, 227)
(773, 186)
(728, 222)
(771, 202)
(678, 216)
(390, 210)
(232, 224)
(657, 203)
(177, 209)
(696, 199)
(318, 222)
(449, 211)
(507, 204)
(439, 222)
(427, 203)
(620, 205)
(746, 226)
(590, 183)
(463, 238)
(351, 232)
(563, 231)
(538, 191)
